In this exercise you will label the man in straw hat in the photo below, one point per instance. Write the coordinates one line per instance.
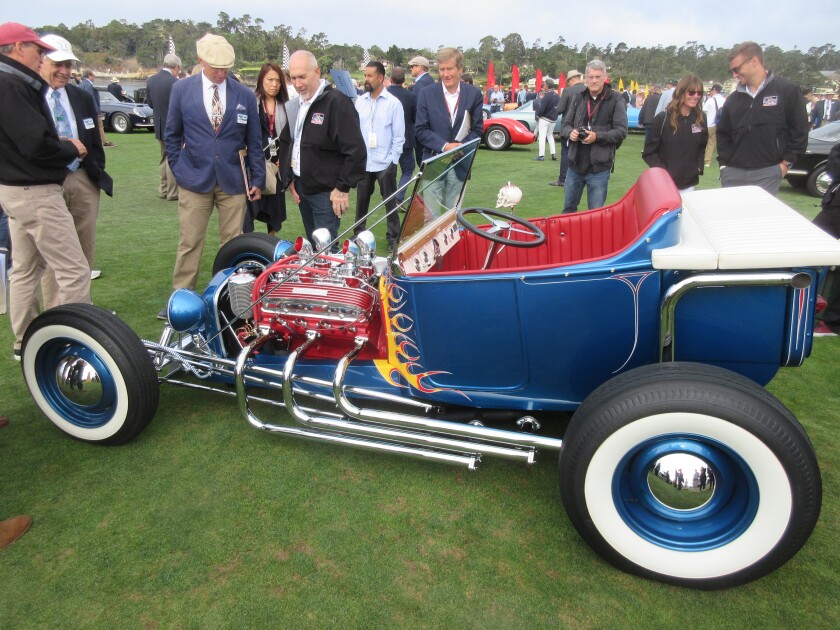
(33, 166)
(211, 117)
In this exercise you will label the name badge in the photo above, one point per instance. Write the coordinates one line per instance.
(89, 124)
(770, 101)
(372, 139)
(242, 119)
(696, 128)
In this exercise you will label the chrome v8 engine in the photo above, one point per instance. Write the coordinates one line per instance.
(334, 295)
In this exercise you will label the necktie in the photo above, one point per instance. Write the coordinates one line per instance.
(62, 124)
(216, 109)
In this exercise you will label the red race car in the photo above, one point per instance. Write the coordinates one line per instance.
(500, 133)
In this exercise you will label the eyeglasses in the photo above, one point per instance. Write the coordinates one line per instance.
(41, 51)
(737, 69)
(694, 92)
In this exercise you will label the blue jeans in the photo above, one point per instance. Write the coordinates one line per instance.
(406, 172)
(317, 212)
(596, 189)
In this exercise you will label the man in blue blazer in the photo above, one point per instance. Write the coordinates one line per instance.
(449, 112)
(158, 90)
(211, 118)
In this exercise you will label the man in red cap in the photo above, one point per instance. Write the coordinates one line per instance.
(33, 166)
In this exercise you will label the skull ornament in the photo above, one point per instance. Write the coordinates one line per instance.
(509, 196)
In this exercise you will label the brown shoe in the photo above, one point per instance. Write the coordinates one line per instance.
(3, 421)
(13, 528)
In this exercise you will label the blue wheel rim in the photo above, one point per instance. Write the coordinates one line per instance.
(726, 516)
(85, 416)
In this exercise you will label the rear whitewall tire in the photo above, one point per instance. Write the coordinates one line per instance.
(754, 543)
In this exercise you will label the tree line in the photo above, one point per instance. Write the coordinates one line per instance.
(119, 44)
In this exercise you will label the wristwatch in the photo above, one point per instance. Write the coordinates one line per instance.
(788, 165)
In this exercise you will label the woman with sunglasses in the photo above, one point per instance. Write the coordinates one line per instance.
(678, 136)
(271, 100)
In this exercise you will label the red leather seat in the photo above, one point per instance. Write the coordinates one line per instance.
(581, 236)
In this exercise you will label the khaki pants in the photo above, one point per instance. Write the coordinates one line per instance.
(100, 123)
(43, 234)
(82, 198)
(194, 210)
(168, 185)
(711, 146)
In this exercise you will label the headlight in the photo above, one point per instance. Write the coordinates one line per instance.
(138, 112)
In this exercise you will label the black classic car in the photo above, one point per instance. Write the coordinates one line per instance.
(123, 117)
(809, 169)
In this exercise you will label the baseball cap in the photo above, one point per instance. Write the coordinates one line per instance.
(12, 33)
(571, 74)
(216, 51)
(419, 60)
(63, 50)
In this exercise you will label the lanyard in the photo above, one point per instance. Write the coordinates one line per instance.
(590, 113)
(270, 116)
(454, 111)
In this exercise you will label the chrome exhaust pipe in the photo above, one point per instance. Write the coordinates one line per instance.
(470, 460)
(390, 418)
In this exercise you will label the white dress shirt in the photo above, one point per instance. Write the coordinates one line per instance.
(207, 93)
(383, 127)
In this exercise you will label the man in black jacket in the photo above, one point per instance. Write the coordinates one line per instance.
(574, 86)
(33, 166)
(328, 155)
(829, 220)
(763, 125)
(409, 103)
(546, 114)
(158, 89)
(83, 183)
(595, 125)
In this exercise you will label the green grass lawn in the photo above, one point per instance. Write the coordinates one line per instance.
(202, 522)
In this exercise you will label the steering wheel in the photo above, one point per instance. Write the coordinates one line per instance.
(503, 222)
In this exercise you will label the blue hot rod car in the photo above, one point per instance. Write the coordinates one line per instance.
(655, 321)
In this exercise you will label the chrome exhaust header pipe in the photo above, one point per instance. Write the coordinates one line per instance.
(510, 439)
(470, 460)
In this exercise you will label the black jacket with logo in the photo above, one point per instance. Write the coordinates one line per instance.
(332, 150)
(760, 131)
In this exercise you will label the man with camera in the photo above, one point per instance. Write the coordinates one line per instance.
(594, 126)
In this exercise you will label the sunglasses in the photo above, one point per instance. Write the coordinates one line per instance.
(694, 92)
(737, 69)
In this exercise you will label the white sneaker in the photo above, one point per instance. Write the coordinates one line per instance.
(94, 274)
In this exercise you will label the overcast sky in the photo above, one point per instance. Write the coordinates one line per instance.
(434, 23)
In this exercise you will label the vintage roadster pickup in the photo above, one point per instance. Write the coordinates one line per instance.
(655, 321)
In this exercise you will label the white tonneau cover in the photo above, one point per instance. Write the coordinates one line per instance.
(745, 228)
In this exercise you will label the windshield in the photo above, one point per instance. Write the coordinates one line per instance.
(439, 190)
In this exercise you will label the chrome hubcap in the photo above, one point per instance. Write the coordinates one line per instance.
(78, 381)
(681, 482)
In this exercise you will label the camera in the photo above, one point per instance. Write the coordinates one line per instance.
(582, 133)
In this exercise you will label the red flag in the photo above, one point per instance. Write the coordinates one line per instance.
(491, 81)
(562, 82)
(514, 83)
(539, 80)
